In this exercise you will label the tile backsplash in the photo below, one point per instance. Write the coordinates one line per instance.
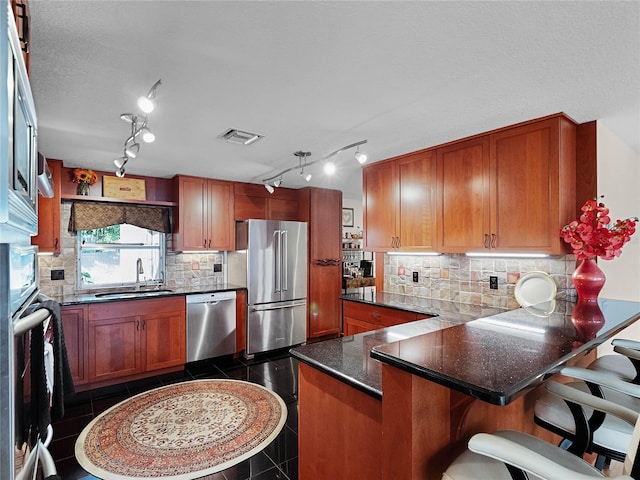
(466, 279)
(190, 269)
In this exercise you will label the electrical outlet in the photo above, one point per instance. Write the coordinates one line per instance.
(493, 283)
(57, 274)
(415, 276)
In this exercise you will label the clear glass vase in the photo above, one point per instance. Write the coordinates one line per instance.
(83, 188)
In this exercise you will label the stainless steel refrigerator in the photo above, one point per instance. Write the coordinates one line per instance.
(271, 262)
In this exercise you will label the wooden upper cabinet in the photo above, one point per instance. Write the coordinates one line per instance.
(463, 195)
(532, 185)
(48, 238)
(379, 186)
(508, 191)
(416, 211)
(325, 224)
(400, 203)
(252, 201)
(204, 214)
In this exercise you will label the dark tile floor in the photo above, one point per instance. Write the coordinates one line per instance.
(277, 371)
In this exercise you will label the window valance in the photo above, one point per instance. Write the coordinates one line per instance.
(87, 216)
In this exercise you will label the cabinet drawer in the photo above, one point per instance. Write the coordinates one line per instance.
(381, 316)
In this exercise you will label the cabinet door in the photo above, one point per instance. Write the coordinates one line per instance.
(325, 288)
(48, 238)
(283, 209)
(379, 206)
(114, 348)
(163, 340)
(192, 209)
(221, 224)
(73, 326)
(463, 196)
(525, 187)
(248, 207)
(417, 202)
(353, 326)
(325, 225)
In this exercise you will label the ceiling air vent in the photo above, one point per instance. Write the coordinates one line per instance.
(242, 137)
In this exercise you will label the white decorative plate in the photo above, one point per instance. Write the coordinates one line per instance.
(534, 288)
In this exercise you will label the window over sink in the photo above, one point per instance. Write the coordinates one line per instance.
(108, 257)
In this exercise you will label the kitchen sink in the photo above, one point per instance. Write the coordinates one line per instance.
(132, 293)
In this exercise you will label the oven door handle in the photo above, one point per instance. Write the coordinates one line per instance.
(24, 324)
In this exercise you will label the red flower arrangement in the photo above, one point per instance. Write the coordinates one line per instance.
(81, 175)
(594, 235)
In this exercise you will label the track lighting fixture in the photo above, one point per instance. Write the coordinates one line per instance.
(329, 167)
(139, 128)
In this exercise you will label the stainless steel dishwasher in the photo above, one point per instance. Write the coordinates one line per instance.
(211, 325)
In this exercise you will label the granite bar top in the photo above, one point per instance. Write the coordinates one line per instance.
(445, 310)
(90, 297)
(348, 358)
(497, 358)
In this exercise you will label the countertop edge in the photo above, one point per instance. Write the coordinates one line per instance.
(364, 388)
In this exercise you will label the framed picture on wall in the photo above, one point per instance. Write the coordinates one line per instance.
(347, 217)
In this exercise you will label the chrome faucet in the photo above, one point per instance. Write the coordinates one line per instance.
(139, 270)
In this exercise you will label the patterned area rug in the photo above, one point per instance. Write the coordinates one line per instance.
(181, 431)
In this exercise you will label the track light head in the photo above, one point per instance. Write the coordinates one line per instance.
(147, 104)
(120, 162)
(131, 150)
(361, 157)
(278, 182)
(147, 135)
(269, 188)
(120, 172)
(307, 176)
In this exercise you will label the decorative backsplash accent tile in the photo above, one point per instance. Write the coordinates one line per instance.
(466, 279)
(179, 266)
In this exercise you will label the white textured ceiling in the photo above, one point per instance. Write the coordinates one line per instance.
(315, 76)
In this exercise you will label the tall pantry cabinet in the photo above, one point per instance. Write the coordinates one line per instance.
(322, 209)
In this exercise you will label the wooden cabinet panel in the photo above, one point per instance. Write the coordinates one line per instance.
(532, 185)
(241, 320)
(222, 232)
(322, 209)
(463, 188)
(416, 210)
(48, 238)
(324, 300)
(73, 326)
(252, 201)
(379, 191)
(114, 348)
(360, 317)
(164, 340)
(204, 214)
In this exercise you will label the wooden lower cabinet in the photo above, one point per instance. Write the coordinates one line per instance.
(73, 327)
(360, 317)
(133, 337)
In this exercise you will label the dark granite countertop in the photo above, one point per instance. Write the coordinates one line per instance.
(86, 298)
(348, 358)
(445, 310)
(500, 357)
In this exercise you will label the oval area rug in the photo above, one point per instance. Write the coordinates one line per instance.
(182, 431)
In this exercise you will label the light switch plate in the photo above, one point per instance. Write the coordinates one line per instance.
(493, 283)
(57, 274)
(415, 276)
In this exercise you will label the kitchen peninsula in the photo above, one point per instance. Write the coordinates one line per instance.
(402, 402)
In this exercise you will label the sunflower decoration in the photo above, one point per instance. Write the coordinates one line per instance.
(84, 178)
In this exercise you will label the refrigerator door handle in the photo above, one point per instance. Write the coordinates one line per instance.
(277, 272)
(285, 254)
(278, 307)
